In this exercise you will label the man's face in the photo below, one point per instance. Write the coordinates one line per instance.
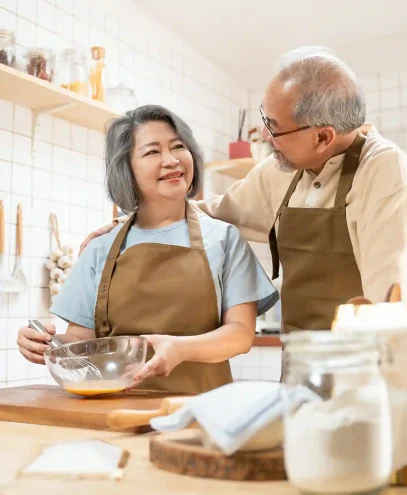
(296, 150)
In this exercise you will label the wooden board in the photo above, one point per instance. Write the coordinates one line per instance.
(182, 453)
(51, 405)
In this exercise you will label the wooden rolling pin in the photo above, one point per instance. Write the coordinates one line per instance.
(130, 418)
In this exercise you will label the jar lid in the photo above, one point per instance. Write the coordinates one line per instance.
(121, 90)
(39, 52)
(98, 52)
(326, 340)
(73, 54)
(4, 33)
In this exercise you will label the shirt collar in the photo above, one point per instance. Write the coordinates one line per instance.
(334, 161)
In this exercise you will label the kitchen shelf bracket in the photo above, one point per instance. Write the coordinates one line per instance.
(36, 121)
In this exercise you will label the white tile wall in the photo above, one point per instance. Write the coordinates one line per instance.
(66, 175)
(261, 363)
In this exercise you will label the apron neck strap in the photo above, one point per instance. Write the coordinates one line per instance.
(349, 167)
(290, 192)
(194, 228)
(117, 243)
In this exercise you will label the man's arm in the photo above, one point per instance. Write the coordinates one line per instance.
(383, 247)
(246, 204)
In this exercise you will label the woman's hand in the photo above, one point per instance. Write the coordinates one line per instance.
(168, 355)
(33, 344)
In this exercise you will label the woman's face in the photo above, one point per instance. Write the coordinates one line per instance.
(161, 163)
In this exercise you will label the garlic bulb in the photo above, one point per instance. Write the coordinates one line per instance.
(55, 273)
(65, 262)
(61, 279)
(50, 264)
(68, 250)
(56, 254)
(55, 288)
(67, 271)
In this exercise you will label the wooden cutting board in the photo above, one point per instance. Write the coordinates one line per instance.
(182, 452)
(51, 405)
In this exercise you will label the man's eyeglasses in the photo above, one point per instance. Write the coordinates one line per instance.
(278, 134)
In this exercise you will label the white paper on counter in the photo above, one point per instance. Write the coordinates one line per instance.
(92, 459)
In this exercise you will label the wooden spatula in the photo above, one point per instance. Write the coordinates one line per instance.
(130, 418)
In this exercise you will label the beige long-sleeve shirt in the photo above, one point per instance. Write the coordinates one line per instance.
(376, 211)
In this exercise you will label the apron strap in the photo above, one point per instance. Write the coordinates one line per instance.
(272, 235)
(350, 165)
(102, 327)
(194, 228)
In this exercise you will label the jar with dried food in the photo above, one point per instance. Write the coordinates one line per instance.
(7, 48)
(97, 73)
(73, 71)
(40, 63)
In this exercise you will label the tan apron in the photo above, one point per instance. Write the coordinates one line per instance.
(162, 289)
(319, 267)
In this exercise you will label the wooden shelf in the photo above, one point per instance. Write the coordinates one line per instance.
(238, 168)
(31, 92)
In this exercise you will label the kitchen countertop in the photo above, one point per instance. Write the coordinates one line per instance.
(23, 441)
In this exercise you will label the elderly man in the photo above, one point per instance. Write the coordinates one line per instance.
(332, 198)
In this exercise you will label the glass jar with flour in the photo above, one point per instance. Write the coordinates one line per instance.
(387, 321)
(340, 444)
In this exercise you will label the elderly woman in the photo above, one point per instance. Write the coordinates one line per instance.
(187, 282)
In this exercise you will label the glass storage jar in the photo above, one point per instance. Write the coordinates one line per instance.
(342, 442)
(120, 99)
(40, 63)
(7, 48)
(387, 321)
(73, 71)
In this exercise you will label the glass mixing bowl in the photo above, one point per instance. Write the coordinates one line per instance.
(97, 366)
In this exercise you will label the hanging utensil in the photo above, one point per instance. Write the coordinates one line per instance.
(18, 279)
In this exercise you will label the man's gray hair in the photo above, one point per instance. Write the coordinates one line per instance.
(328, 91)
(120, 183)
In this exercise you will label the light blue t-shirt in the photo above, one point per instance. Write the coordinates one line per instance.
(237, 274)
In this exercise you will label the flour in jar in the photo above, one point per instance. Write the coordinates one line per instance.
(342, 445)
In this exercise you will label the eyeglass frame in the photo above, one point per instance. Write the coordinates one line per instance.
(278, 134)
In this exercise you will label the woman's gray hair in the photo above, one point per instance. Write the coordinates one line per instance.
(328, 91)
(120, 183)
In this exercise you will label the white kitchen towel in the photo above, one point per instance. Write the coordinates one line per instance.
(232, 414)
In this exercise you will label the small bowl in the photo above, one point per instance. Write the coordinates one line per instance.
(97, 366)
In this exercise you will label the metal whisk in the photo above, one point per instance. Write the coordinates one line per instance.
(78, 368)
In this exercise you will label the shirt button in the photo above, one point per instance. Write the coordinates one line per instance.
(317, 185)
(104, 288)
(111, 257)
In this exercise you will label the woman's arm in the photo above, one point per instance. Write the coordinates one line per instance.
(74, 333)
(234, 337)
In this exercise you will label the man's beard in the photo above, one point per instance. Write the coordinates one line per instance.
(282, 163)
